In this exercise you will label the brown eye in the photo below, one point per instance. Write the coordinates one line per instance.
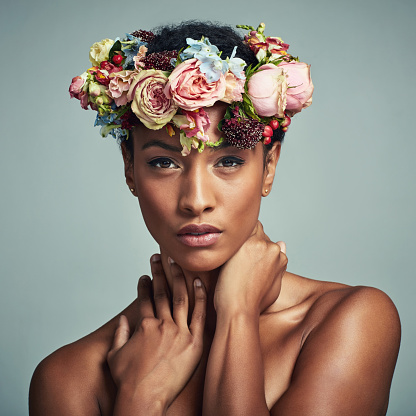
(163, 163)
(230, 162)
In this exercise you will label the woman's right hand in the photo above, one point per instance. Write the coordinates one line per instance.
(159, 358)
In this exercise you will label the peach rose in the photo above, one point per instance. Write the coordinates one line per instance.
(189, 89)
(299, 93)
(234, 88)
(267, 90)
(119, 86)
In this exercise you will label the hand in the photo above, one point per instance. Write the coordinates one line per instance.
(251, 279)
(162, 353)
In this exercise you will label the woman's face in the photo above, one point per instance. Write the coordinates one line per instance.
(202, 207)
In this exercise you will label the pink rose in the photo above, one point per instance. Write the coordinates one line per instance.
(189, 89)
(234, 88)
(78, 89)
(267, 90)
(76, 86)
(119, 86)
(150, 104)
(299, 93)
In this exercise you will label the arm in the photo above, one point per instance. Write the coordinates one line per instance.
(247, 285)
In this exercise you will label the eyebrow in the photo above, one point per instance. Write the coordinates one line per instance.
(166, 146)
(163, 145)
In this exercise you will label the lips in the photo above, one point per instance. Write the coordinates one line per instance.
(199, 235)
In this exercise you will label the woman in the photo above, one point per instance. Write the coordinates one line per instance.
(222, 328)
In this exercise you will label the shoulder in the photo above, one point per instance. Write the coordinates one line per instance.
(348, 354)
(353, 309)
(68, 381)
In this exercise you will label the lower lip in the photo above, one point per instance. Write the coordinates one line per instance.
(203, 240)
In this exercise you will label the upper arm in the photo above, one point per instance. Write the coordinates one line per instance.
(59, 386)
(347, 362)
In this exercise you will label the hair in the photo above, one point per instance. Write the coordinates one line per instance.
(173, 37)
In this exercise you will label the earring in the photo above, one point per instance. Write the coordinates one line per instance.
(132, 189)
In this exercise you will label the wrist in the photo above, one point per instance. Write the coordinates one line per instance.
(137, 401)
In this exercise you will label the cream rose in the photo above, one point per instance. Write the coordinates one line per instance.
(149, 102)
(100, 51)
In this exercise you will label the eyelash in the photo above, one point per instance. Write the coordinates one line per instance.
(156, 163)
(235, 161)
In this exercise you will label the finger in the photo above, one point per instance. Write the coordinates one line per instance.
(144, 298)
(161, 294)
(122, 334)
(200, 310)
(282, 246)
(179, 295)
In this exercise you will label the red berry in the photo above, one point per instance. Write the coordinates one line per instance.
(267, 140)
(117, 59)
(285, 129)
(268, 131)
(286, 122)
(274, 124)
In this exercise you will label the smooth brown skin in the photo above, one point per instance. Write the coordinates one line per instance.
(252, 340)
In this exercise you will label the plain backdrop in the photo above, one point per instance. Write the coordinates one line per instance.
(72, 240)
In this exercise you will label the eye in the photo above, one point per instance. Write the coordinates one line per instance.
(163, 163)
(229, 162)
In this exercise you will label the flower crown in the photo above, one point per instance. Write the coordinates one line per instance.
(165, 89)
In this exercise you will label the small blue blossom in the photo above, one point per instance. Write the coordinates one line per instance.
(198, 46)
(130, 48)
(236, 65)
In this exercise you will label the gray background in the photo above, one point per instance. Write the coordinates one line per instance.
(72, 240)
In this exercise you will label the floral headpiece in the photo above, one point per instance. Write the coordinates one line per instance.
(164, 89)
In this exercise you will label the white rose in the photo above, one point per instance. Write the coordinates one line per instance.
(100, 51)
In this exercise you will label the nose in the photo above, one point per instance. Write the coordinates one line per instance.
(197, 192)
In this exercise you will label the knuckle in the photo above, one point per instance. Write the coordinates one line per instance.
(147, 323)
(160, 296)
(199, 316)
(179, 300)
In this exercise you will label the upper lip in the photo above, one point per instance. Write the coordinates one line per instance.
(198, 229)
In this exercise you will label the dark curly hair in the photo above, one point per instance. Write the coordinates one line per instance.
(173, 37)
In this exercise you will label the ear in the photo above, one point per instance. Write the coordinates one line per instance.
(270, 169)
(128, 168)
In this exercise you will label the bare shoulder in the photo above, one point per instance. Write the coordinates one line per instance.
(349, 350)
(69, 381)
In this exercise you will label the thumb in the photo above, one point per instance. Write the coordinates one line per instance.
(282, 246)
(122, 334)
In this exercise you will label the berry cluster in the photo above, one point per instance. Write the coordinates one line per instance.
(144, 35)
(160, 60)
(243, 133)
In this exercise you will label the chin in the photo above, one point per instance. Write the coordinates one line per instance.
(200, 260)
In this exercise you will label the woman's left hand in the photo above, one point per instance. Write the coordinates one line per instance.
(251, 279)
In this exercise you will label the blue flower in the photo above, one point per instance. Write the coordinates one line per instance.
(198, 46)
(130, 48)
(236, 65)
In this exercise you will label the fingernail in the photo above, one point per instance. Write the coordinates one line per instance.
(155, 258)
(198, 283)
(170, 260)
